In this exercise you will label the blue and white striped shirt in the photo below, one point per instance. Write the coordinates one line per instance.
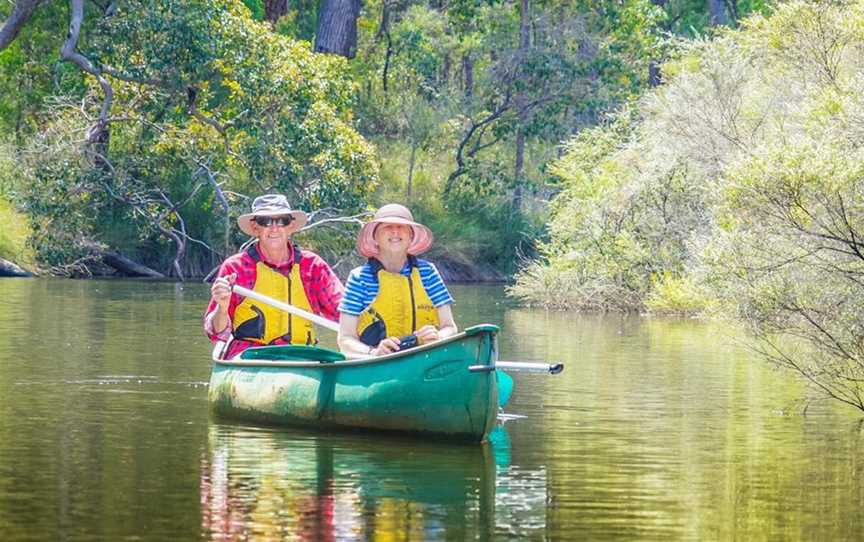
(362, 287)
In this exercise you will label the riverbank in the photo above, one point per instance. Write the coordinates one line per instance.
(451, 269)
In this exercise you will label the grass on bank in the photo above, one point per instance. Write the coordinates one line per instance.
(454, 240)
(15, 226)
(13, 236)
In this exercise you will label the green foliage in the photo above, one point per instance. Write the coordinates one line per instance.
(416, 88)
(619, 221)
(211, 91)
(30, 72)
(203, 95)
(789, 262)
(13, 234)
(256, 8)
(735, 188)
(672, 294)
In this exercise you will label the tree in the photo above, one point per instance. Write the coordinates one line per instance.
(205, 108)
(790, 262)
(735, 185)
(717, 12)
(21, 13)
(274, 9)
(522, 110)
(337, 27)
(526, 88)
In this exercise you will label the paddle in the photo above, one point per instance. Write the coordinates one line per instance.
(296, 311)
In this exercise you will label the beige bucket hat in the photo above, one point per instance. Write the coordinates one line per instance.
(272, 205)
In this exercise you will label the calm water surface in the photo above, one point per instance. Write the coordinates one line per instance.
(657, 430)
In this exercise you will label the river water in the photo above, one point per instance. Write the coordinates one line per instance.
(657, 430)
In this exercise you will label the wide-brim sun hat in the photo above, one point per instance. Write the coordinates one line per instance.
(271, 205)
(393, 213)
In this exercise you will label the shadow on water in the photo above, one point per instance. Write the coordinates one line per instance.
(263, 482)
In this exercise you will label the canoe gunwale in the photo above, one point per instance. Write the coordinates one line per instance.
(354, 362)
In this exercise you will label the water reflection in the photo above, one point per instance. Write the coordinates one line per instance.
(657, 429)
(272, 484)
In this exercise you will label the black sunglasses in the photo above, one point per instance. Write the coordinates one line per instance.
(266, 221)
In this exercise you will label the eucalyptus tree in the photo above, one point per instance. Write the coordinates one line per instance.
(185, 109)
(337, 27)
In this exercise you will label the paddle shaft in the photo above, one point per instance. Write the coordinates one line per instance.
(296, 311)
(528, 367)
(520, 367)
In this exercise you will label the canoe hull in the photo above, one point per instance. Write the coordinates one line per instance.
(426, 390)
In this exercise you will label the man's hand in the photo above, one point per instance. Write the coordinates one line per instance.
(220, 291)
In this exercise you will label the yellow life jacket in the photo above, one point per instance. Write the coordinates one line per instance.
(259, 323)
(401, 307)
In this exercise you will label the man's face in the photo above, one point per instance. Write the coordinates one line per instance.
(272, 231)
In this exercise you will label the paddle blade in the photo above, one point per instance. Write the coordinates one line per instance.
(505, 387)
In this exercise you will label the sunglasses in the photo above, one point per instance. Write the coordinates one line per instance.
(266, 221)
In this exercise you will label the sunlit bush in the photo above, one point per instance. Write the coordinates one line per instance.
(737, 185)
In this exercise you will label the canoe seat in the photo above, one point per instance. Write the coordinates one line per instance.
(293, 353)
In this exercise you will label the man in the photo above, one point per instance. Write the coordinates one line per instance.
(277, 268)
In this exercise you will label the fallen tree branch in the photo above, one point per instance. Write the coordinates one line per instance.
(119, 262)
(10, 269)
(127, 266)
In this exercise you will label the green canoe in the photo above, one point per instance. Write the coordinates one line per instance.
(428, 389)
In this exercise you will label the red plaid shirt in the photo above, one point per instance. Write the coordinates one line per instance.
(323, 290)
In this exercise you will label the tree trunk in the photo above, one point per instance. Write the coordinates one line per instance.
(21, 13)
(337, 27)
(519, 170)
(384, 30)
(411, 162)
(273, 9)
(523, 25)
(655, 76)
(386, 69)
(468, 70)
(98, 135)
(19, 123)
(127, 266)
(519, 166)
(121, 263)
(716, 12)
(99, 142)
